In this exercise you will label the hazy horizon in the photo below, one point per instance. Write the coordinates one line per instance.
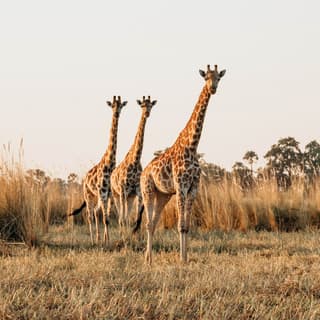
(60, 62)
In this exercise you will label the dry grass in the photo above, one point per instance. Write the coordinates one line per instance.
(233, 275)
(234, 271)
(224, 206)
(27, 208)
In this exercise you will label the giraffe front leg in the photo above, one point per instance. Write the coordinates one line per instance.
(181, 204)
(106, 216)
(187, 215)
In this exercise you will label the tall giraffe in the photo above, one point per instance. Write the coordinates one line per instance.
(125, 178)
(177, 170)
(96, 185)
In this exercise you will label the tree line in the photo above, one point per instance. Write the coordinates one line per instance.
(285, 162)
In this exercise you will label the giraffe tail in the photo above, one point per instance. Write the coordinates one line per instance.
(77, 211)
(138, 222)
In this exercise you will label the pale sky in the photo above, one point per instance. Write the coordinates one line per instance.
(61, 60)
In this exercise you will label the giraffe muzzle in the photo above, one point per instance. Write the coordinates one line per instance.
(213, 90)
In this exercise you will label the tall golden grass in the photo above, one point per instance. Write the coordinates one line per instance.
(230, 275)
(27, 208)
(226, 207)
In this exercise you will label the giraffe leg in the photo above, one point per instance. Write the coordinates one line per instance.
(91, 200)
(116, 201)
(130, 201)
(139, 211)
(183, 254)
(149, 210)
(148, 200)
(96, 216)
(181, 203)
(121, 209)
(106, 216)
(148, 194)
(188, 207)
(160, 201)
(154, 206)
(122, 215)
(90, 210)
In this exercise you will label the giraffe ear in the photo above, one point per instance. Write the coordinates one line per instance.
(154, 102)
(124, 103)
(222, 73)
(109, 103)
(139, 102)
(202, 73)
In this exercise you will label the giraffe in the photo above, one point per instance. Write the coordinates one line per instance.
(125, 178)
(177, 171)
(96, 185)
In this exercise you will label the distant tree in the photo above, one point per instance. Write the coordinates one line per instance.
(284, 161)
(212, 171)
(37, 177)
(312, 160)
(251, 157)
(242, 175)
(72, 178)
(59, 184)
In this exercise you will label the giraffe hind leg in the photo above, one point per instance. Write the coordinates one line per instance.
(96, 216)
(139, 211)
(90, 214)
(121, 211)
(130, 201)
(139, 219)
(154, 207)
(160, 202)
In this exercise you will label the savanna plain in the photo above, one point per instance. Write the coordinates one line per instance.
(253, 253)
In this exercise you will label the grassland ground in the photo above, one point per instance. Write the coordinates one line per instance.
(230, 275)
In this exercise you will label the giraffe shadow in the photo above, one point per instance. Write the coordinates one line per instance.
(113, 246)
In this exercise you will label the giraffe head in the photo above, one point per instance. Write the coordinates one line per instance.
(116, 105)
(212, 78)
(146, 104)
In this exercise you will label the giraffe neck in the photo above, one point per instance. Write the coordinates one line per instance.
(136, 149)
(190, 135)
(109, 157)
